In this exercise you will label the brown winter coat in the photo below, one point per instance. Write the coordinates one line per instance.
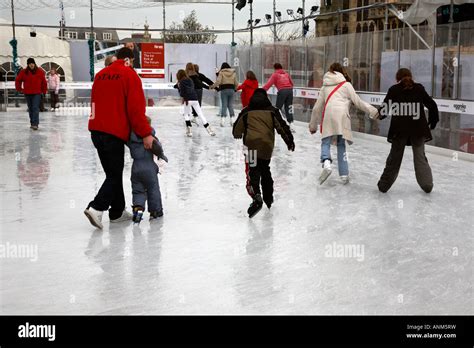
(257, 124)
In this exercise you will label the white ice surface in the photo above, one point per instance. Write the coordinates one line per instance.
(205, 256)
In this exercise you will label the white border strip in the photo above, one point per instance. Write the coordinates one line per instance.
(464, 107)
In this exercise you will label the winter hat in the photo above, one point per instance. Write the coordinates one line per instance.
(30, 60)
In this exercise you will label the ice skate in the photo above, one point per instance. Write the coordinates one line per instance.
(345, 179)
(189, 132)
(156, 214)
(256, 206)
(210, 131)
(327, 170)
(137, 214)
(194, 120)
(231, 121)
(126, 216)
(268, 201)
(222, 121)
(95, 217)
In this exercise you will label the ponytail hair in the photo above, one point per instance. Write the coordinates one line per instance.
(405, 78)
(336, 67)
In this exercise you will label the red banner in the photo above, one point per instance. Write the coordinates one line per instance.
(153, 59)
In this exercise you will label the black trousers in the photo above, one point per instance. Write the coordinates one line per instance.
(111, 152)
(259, 173)
(423, 173)
(54, 99)
(199, 94)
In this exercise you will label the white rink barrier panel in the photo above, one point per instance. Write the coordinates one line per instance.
(444, 105)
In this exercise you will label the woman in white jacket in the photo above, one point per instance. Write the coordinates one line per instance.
(331, 111)
(53, 87)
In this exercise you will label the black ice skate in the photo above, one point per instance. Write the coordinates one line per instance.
(268, 201)
(256, 206)
(137, 214)
(156, 214)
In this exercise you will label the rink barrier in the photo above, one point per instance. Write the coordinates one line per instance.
(444, 105)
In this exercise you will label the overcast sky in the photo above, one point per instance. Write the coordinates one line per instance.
(213, 15)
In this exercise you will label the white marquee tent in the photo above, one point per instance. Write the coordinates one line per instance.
(42, 48)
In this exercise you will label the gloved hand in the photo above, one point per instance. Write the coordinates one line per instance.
(433, 125)
(291, 147)
(56, 92)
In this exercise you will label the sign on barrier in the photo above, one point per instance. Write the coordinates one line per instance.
(444, 105)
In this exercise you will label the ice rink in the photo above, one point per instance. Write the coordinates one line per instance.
(205, 256)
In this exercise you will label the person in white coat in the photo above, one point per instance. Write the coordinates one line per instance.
(331, 111)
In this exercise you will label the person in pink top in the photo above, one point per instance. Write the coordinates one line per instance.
(53, 87)
(284, 84)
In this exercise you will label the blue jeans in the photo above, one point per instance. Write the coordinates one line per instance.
(227, 102)
(33, 102)
(342, 163)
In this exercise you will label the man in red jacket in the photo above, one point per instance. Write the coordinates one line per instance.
(118, 107)
(32, 83)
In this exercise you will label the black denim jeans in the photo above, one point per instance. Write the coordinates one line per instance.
(111, 152)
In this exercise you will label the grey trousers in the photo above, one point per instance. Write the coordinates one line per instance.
(423, 173)
(145, 187)
(285, 98)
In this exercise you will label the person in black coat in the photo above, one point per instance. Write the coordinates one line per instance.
(187, 91)
(409, 126)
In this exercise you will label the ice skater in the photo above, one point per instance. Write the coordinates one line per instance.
(248, 87)
(405, 102)
(32, 83)
(145, 184)
(118, 107)
(190, 100)
(227, 84)
(332, 111)
(256, 124)
(284, 84)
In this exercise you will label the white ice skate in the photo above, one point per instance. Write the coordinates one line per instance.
(231, 121)
(94, 216)
(327, 170)
(345, 179)
(222, 122)
(210, 131)
(126, 216)
(189, 132)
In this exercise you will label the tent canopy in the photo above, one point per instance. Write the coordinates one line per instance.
(423, 9)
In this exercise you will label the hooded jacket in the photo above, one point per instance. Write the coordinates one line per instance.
(118, 102)
(248, 88)
(281, 79)
(411, 118)
(337, 118)
(257, 123)
(31, 81)
(226, 79)
(186, 89)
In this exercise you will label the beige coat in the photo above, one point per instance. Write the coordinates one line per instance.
(337, 119)
(226, 77)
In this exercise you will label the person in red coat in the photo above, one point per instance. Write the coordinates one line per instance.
(248, 87)
(118, 107)
(32, 83)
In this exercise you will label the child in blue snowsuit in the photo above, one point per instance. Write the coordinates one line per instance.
(145, 185)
